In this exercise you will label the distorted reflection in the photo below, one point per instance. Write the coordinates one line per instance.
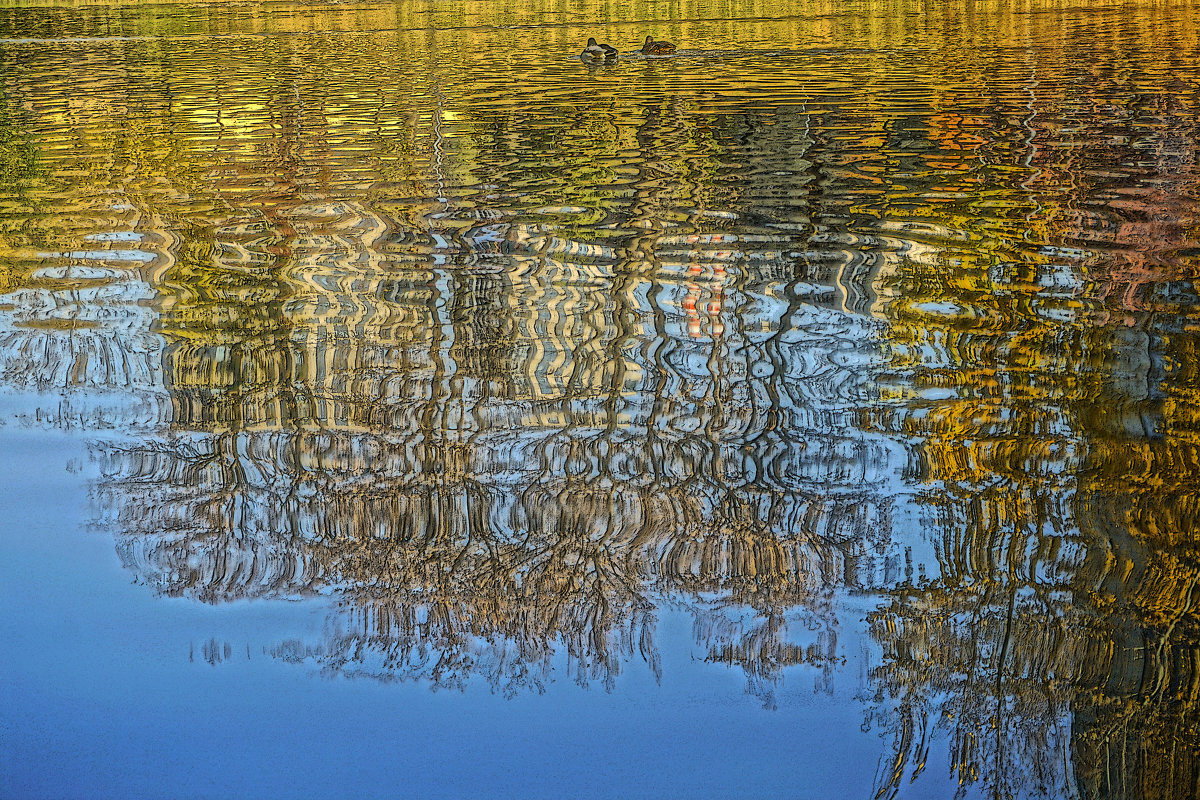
(506, 377)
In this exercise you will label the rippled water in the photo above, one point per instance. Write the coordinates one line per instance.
(812, 412)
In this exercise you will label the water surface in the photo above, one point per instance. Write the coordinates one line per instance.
(393, 404)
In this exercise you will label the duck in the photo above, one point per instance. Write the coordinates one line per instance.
(598, 51)
(659, 48)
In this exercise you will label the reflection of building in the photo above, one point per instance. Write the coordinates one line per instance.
(81, 323)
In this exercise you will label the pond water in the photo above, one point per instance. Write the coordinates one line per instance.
(394, 404)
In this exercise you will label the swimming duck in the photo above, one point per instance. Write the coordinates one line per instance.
(660, 48)
(598, 51)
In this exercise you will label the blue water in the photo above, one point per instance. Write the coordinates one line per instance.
(107, 694)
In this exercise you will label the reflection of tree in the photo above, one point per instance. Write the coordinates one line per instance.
(442, 554)
(989, 665)
(1056, 648)
(508, 378)
(1136, 730)
(1035, 643)
(498, 427)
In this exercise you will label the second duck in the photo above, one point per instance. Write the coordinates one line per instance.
(659, 48)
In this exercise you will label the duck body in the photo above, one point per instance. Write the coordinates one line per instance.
(659, 48)
(598, 51)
